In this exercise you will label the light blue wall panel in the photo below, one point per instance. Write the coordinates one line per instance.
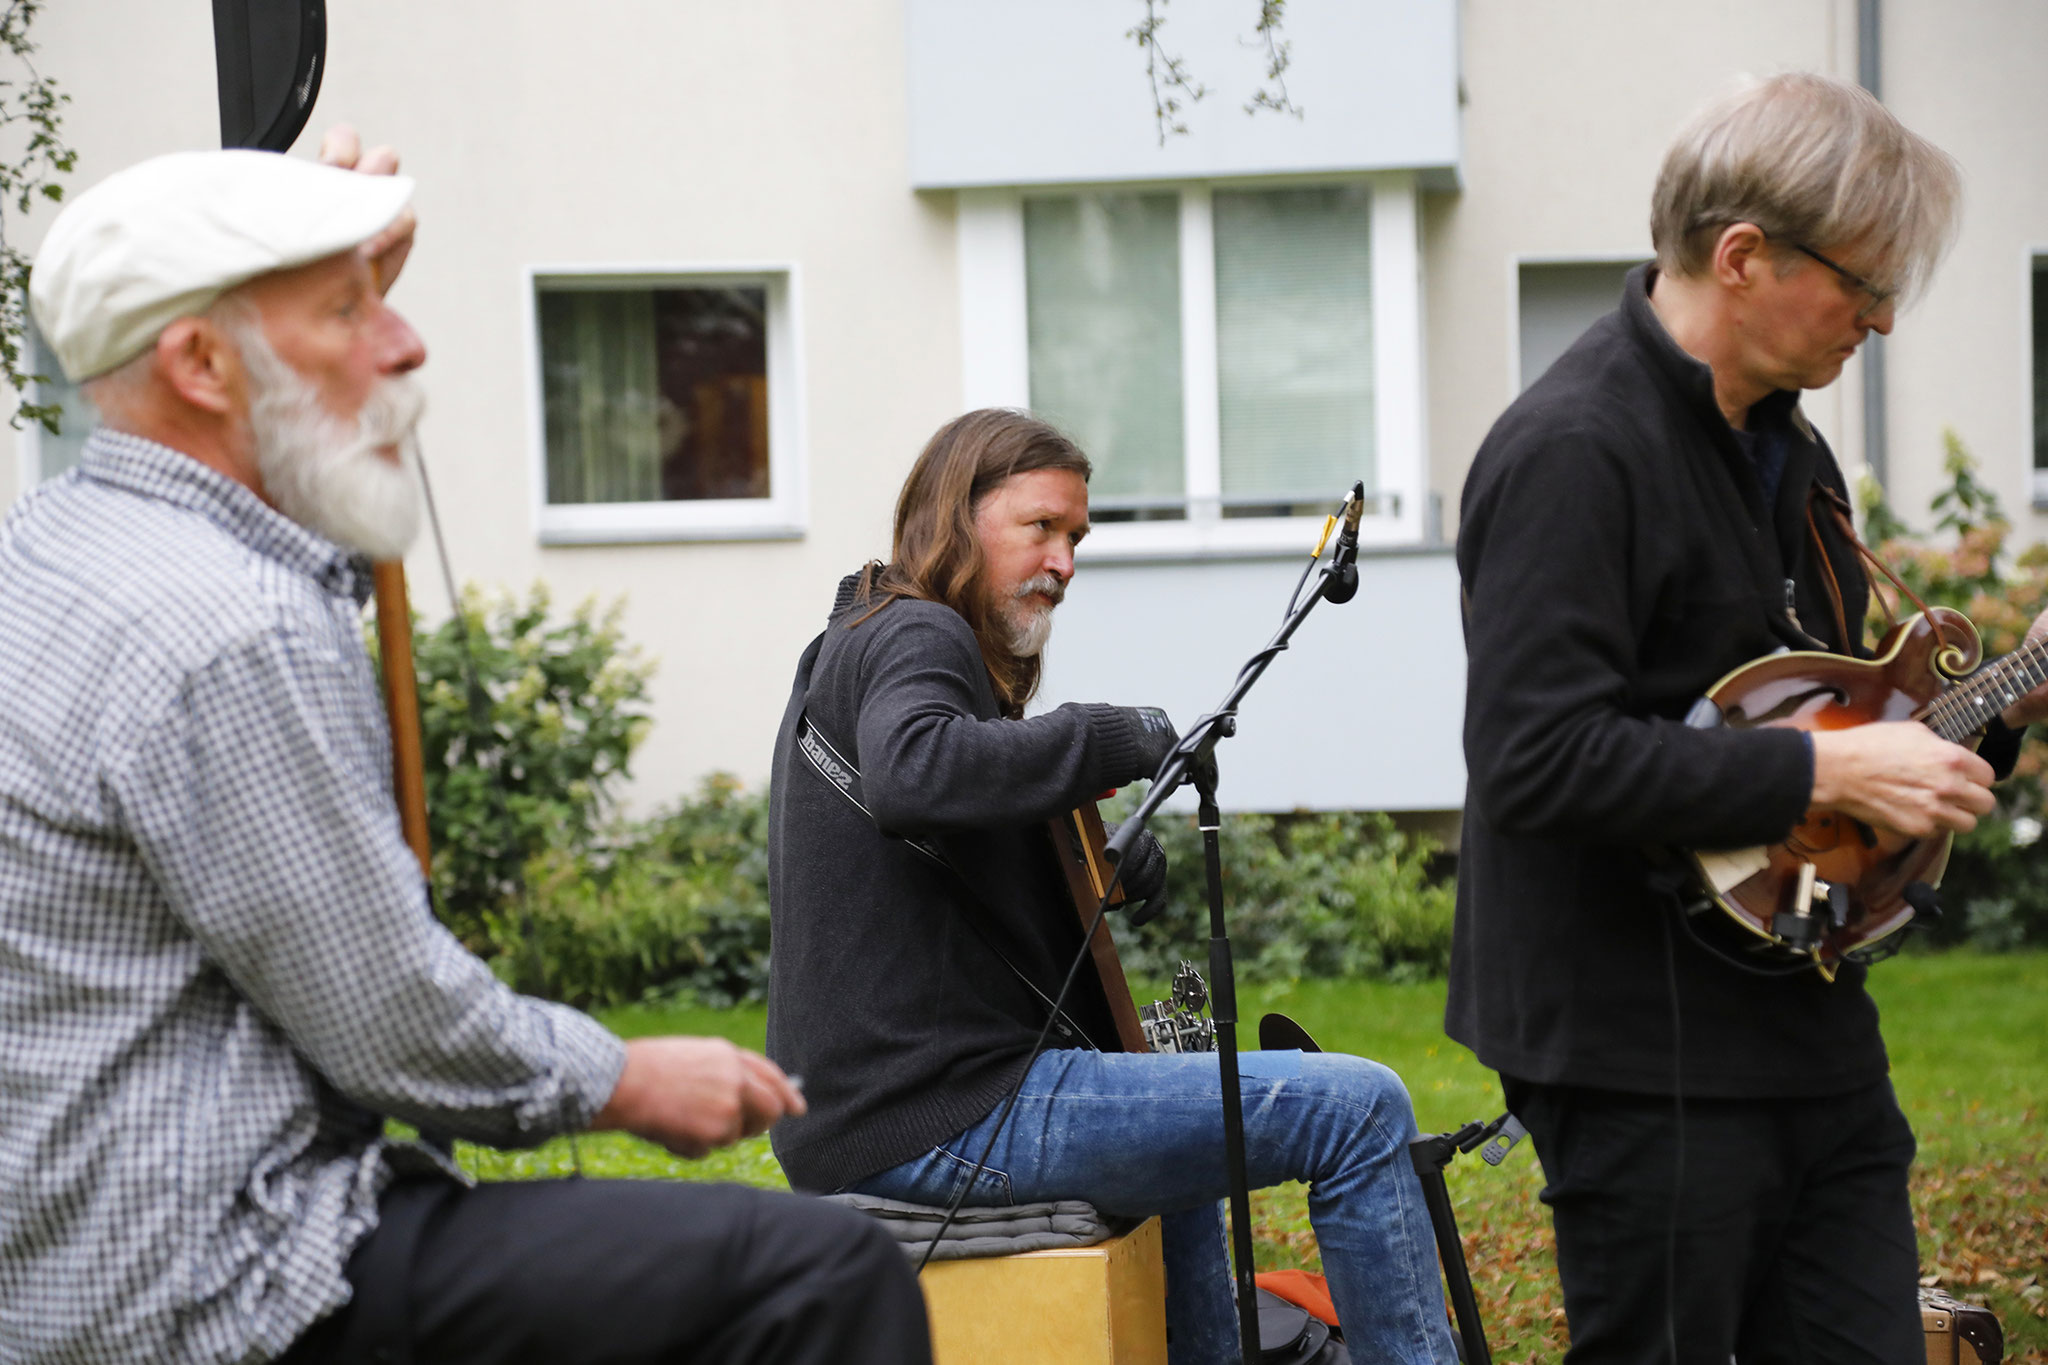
(1028, 92)
(1361, 713)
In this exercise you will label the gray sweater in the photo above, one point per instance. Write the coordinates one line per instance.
(888, 990)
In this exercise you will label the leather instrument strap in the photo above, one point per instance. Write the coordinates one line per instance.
(1839, 506)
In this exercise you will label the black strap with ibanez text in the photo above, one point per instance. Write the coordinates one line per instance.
(839, 773)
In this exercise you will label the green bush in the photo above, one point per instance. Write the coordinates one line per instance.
(1306, 896)
(677, 905)
(720, 843)
(596, 931)
(1995, 892)
(674, 905)
(529, 762)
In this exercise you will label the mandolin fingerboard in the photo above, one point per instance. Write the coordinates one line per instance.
(1969, 706)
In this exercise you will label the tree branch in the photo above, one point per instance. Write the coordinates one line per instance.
(1167, 73)
(34, 101)
(1279, 54)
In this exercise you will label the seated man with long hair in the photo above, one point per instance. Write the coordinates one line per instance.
(922, 931)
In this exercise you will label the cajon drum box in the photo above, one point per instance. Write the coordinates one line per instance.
(1099, 1305)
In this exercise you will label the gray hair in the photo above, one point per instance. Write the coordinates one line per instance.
(1812, 161)
(115, 392)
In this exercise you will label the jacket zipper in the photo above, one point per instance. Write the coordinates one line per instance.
(1792, 608)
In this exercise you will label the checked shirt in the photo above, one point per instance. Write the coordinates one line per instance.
(217, 963)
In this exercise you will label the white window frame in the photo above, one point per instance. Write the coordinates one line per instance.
(28, 449)
(996, 365)
(1515, 264)
(779, 516)
(28, 446)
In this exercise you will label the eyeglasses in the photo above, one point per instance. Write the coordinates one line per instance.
(1877, 297)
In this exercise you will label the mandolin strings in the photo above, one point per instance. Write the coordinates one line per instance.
(1957, 713)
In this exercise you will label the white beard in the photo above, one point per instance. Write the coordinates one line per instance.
(1029, 634)
(328, 475)
(1028, 628)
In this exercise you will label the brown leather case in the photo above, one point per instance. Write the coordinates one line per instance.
(1959, 1333)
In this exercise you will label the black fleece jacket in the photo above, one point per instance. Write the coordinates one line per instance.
(1618, 560)
(887, 988)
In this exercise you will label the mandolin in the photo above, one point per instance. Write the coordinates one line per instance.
(1837, 886)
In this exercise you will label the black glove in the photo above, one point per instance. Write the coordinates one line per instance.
(1153, 733)
(1144, 877)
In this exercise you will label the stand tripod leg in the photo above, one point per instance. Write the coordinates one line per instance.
(1431, 1153)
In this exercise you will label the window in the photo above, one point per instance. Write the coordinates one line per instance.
(2040, 326)
(45, 456)
(1557, 301)
(1293, 346)
(666, 406)
(1231, 356)
(1102, 275)
(1292, 334)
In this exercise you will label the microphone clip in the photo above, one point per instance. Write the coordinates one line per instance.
(1340, 583)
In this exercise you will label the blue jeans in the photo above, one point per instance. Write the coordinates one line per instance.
(1142, 1134)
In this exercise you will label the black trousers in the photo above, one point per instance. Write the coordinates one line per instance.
(1782, 1233)
(620, 1272)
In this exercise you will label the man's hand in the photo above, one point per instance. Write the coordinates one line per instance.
(1153, 735)
(694, 1094)
(387, 251)
(2033, 706)
(1142, 875)
(1900, 775)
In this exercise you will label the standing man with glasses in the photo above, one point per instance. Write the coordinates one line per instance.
(1873, 298)
(1723, 1156)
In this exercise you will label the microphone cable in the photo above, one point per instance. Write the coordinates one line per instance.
(1329, 525)
(1017, 1088)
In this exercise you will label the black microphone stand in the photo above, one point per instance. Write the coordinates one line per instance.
(1193, 760)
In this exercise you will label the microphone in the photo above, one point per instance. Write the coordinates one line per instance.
(1341, 583)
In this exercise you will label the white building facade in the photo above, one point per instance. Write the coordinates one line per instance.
(698, 280)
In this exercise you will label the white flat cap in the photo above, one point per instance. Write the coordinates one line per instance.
(163, 239)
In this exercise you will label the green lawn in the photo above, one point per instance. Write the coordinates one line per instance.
(1969, 1043)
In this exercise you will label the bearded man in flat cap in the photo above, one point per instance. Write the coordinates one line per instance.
(218, 969)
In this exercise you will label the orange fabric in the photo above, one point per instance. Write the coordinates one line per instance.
(1303, 1290)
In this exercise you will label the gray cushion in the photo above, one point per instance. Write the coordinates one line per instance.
(995, 1231)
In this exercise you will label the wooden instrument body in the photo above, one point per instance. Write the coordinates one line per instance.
(1078, 840)
(1917, 662)
(402, 705)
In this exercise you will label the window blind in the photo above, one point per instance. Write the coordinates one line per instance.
(1294, 342)
(1102, 280)
(655, 394)
(599, 396)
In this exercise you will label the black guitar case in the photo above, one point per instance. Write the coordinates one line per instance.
(1289, 1335)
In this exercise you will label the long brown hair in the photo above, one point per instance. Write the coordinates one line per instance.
(936, 555)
